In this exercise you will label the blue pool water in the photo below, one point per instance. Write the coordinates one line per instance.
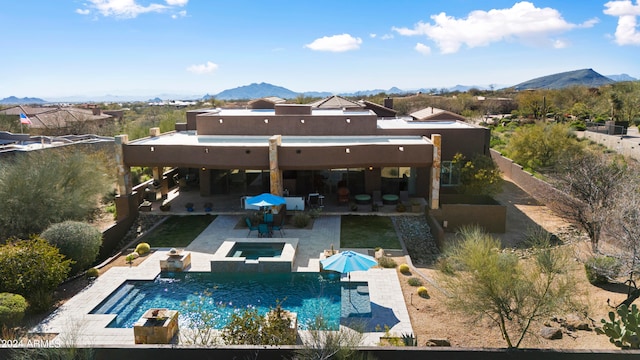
(307, 294)
(254, 251)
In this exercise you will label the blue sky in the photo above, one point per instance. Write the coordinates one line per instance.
(53, 49)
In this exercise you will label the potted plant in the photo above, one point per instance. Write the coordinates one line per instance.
(401, 208)
(189, 206)
(416, 206)
(208, 206)
(354, 207)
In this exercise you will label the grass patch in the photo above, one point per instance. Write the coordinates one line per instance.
(368, 232)
(178, 231)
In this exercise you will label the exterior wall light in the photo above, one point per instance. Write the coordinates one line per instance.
(347, 150)
(401, 148)
(266, 121)
(220, 120)
(153, 149)
(206, 151)
(301, 121)
(370, 168)
(204, 169)
(348, 121)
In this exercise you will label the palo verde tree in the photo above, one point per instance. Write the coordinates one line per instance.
(593, 183)
(478, 176)
(45, 187)
(487, 283)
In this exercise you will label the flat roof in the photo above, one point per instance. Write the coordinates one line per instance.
(272, 112)
(191, 139)
(441, 124)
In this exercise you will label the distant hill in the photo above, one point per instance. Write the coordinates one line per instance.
(256, 91)
(12, 100)
(584, 77)
(621, 77)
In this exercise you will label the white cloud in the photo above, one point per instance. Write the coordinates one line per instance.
(627, 30)
(335, 43)
(560, 44)
(177, 2)
(373, 36)
(423, 49)
(181, 13)
(206, 68)
(387, 37)
(127, 9)
(523, 21)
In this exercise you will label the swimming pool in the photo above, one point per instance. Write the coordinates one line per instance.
(307, 294)
(253, 250)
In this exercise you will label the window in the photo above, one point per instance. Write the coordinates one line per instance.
(449, 174)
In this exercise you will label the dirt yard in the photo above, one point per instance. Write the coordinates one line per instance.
(432, 319)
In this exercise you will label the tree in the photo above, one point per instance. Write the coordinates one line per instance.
(592, 182)
(76, 240)
(540, 146)
(487, 283)
(478, 176)
(41, 269)
(45, 187)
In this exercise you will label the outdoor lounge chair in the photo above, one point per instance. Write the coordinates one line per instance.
(343, 195)
(250, 226)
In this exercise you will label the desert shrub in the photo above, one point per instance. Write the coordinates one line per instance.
(92, 273)
(423, 292)
(78, 241)
(143, 248)
(12, 308)
(445, 265)
(404, 268)
(131, 256)
(601, 269)
(414, 281)
(387, 262)
(247, 327)
(301, 220)
(42, 269)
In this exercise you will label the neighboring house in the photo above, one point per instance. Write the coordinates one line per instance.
(319, 147)
(266, 102)
(435, 114)
(55, 121)
(14, 143)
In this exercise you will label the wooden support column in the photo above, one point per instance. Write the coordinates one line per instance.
(275, 174)
(434, 193)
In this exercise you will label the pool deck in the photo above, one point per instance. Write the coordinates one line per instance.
(74, 324)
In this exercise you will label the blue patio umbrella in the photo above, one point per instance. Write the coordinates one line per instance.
(348, 261)
(266, 199)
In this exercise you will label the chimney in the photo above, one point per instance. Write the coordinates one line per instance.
(388, 102)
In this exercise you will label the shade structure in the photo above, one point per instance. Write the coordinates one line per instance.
(266, 199)
(348, 261)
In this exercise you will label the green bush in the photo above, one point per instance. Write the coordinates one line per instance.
(41, 270)
(301, 220)
(404, 268)
(143, 248)
(92, 273)
(602, 269)
(387, 262)
(414, 281)
(78, 241)
(12, 308)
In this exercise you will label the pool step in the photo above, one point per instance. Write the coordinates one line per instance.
(118, 300)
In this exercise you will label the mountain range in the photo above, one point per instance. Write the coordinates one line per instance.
(586, 77)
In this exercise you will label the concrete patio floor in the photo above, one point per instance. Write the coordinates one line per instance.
(74, 324)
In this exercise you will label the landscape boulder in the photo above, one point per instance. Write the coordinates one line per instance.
(438, 342)
(551, 333)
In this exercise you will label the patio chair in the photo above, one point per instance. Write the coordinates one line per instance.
(250, 226)
(343, 195)
(312, 200)
(263, 230)
(268, 218)
(376, 198)
(279, 227)
(404, 197)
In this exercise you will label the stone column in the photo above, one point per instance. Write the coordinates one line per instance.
(124, 172)
(434, 193)
(154, 131)
(275, 174)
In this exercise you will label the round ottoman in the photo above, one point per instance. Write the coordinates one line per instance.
(390, 199)
(362, 198)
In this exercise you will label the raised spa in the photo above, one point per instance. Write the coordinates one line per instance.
(251, 250)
